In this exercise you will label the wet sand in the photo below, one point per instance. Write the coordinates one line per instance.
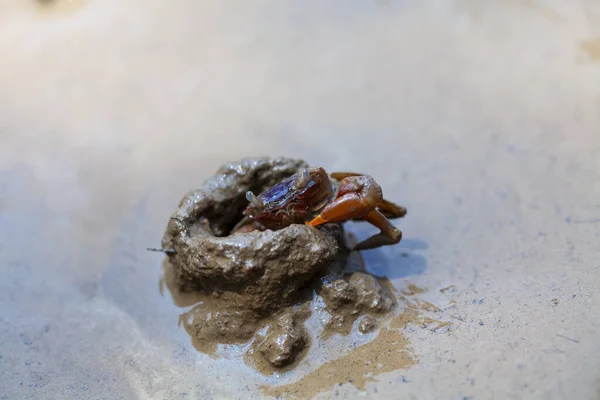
(482, 119)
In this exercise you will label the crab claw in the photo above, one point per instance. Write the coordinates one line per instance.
(358, 199)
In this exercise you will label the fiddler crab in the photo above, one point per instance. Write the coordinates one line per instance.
(311, 197)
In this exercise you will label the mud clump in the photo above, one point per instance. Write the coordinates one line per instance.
(352, 296)
(256, 287)
(260, 270)
(367, 324)
(281, 347)
(209, 325)
(285, 338)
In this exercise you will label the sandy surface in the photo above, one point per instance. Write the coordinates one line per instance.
(481, 117)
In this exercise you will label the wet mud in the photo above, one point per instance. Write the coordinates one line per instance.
(353, 296)
(256, 289)
(389, 351)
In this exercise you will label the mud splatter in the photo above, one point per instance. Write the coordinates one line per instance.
(412, 289)
(428, 306)
(438, 324)
(390, 351)
(450, 289)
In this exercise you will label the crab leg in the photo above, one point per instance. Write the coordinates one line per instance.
(341, 175)
(391, 210)
(389, 233)
(360, 198)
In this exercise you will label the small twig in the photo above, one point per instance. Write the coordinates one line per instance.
(568, 338)
(168, 251)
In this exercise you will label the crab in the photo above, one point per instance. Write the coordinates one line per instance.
(313, 197)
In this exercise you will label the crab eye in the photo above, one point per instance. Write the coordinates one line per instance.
(251, 197)
(302, 178)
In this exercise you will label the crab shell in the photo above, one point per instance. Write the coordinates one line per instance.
(293, 200)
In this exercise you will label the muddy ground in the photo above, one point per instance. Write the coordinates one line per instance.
(480, 117)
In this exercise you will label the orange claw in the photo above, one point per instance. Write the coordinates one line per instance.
(357, 196)
(318, 220)
(360, 197)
